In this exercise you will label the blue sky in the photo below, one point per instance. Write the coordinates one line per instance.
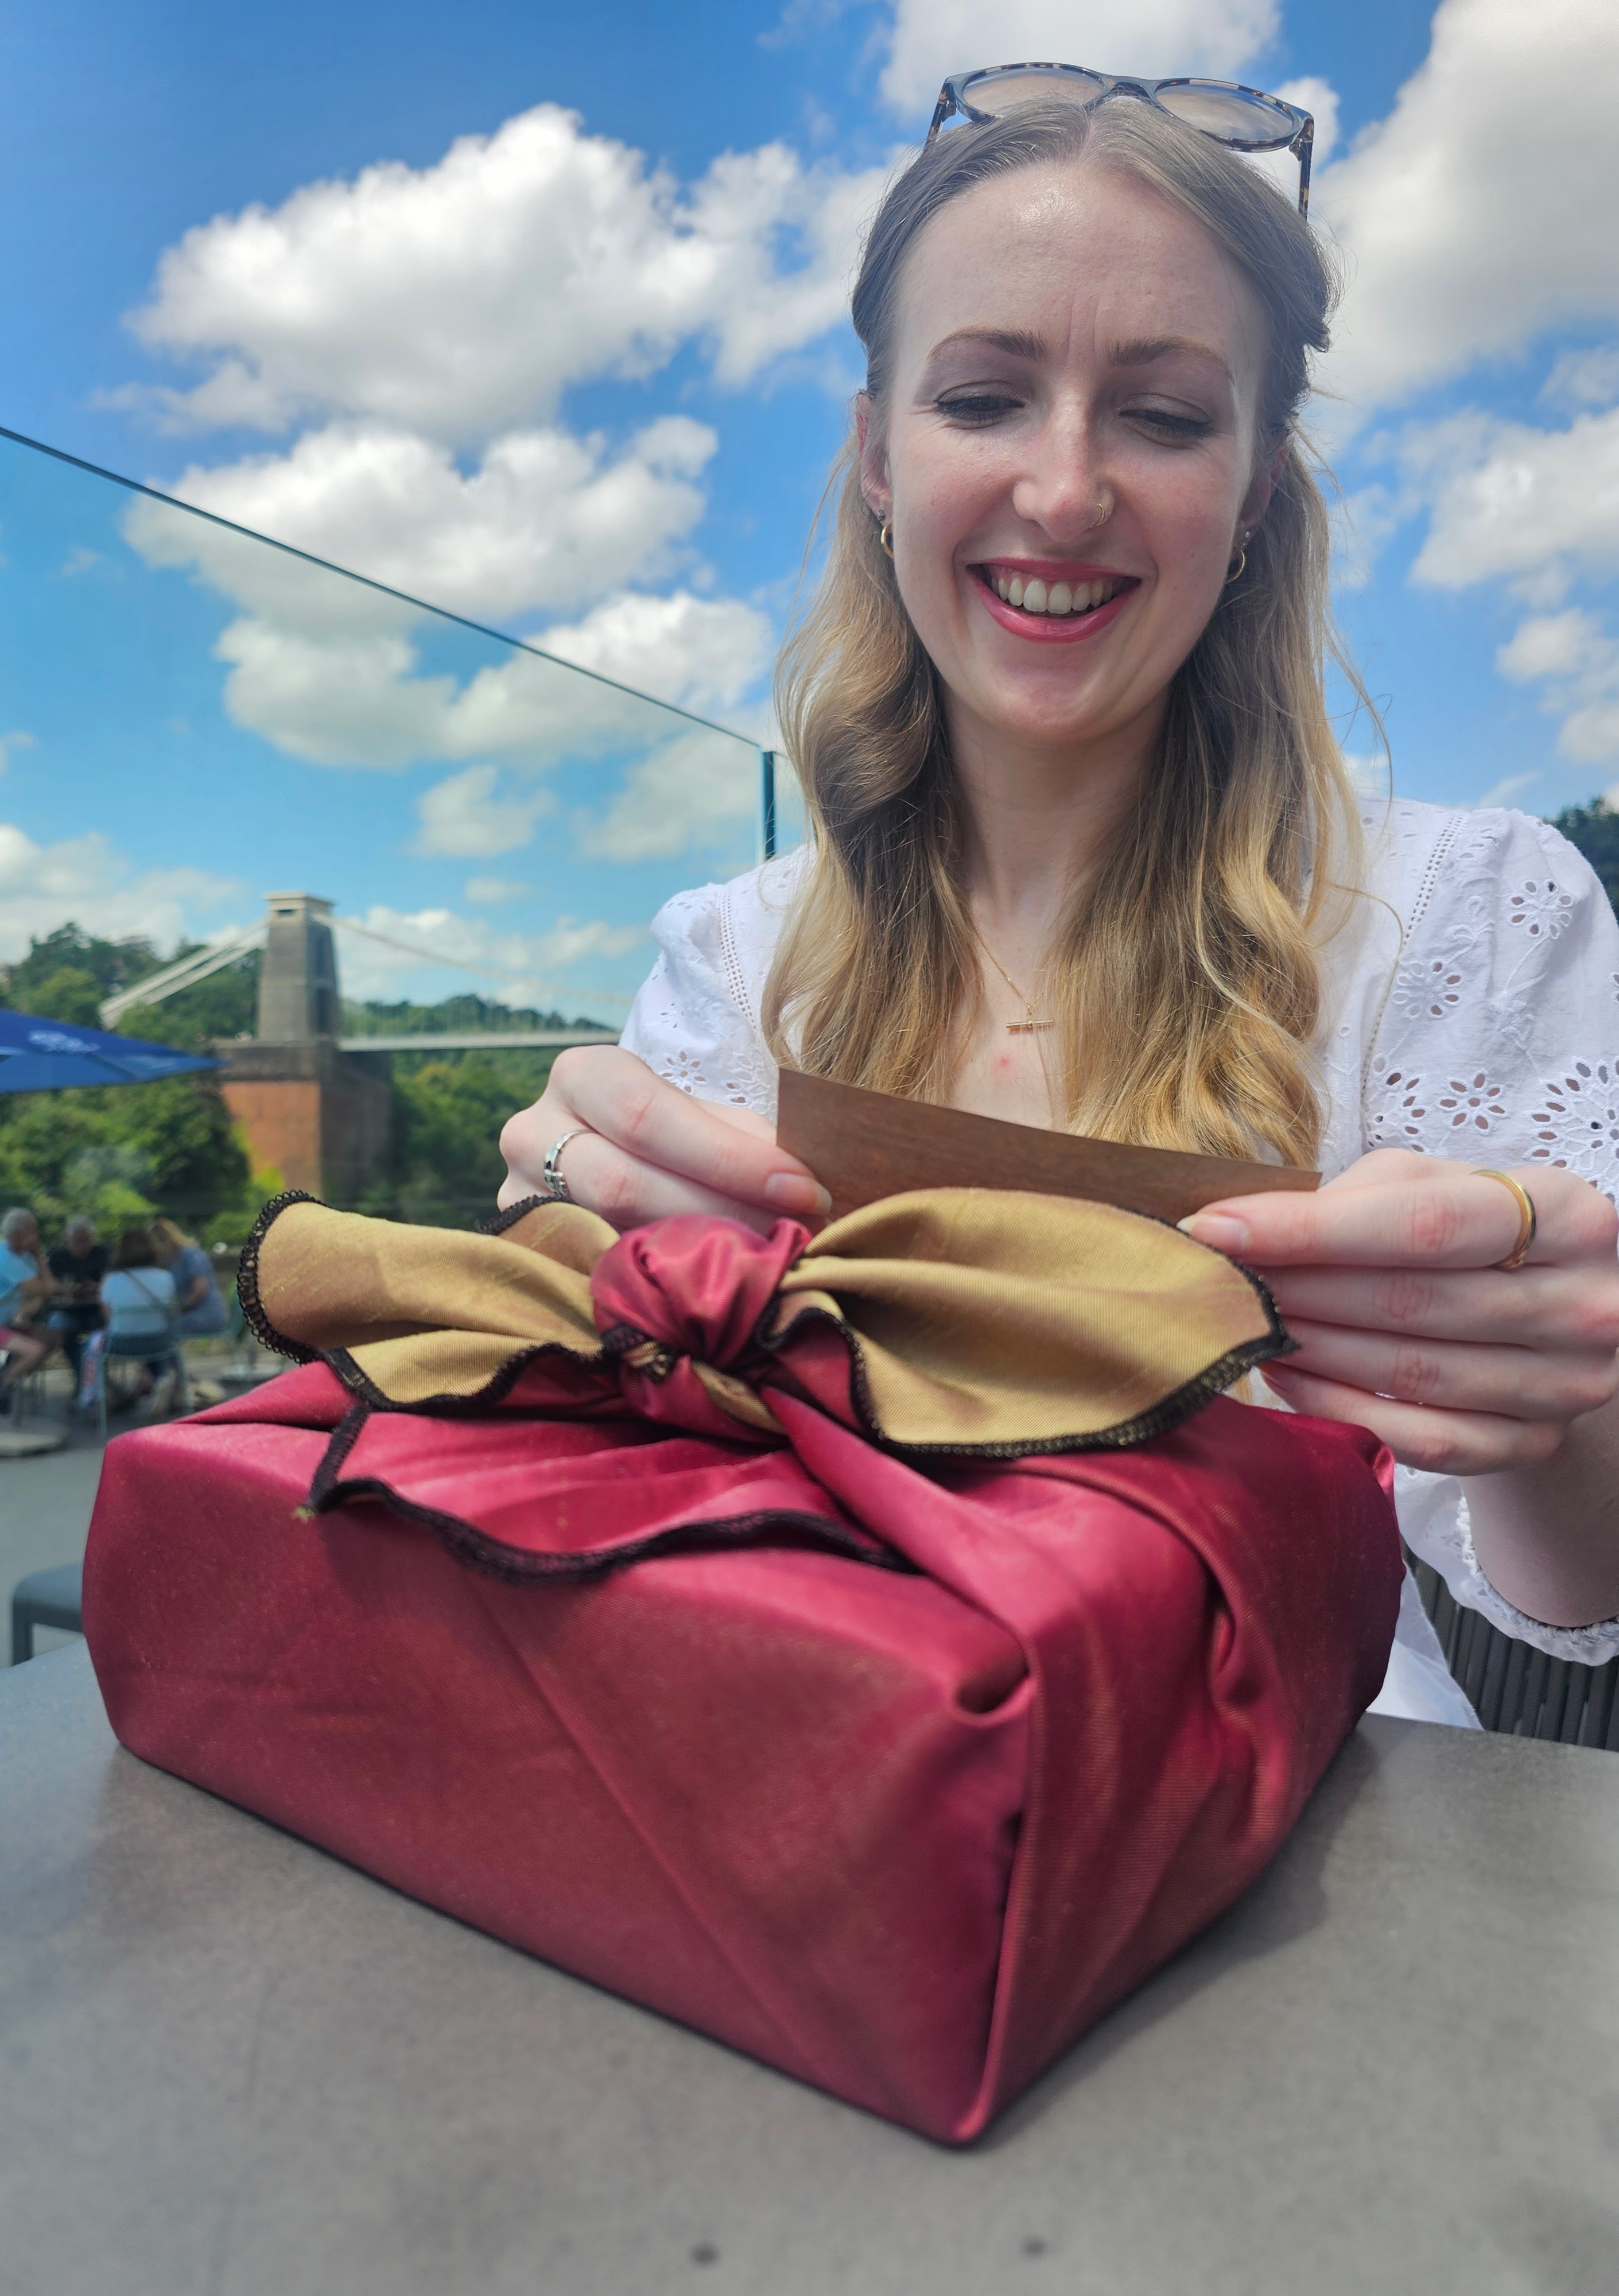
(537, 313)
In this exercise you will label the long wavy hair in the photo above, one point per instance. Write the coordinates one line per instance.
(1184, 979)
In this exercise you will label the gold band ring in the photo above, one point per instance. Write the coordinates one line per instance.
(1525, 1212)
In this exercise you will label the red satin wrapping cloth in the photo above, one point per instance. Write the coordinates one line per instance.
(903, 1831)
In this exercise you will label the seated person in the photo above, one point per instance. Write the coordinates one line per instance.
(78, 1264)
(25, 1285)
(1085, 853)
(139, 1298)
(202, 1309)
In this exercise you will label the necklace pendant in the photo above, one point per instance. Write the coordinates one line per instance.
(1025, 1027)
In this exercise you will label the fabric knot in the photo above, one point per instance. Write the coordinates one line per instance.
(692, 1286)
(641, 1352)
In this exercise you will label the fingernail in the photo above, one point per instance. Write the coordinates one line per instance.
(795, 1192)
(1218, 1230)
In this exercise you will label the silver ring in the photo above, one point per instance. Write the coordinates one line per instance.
(556, 1186)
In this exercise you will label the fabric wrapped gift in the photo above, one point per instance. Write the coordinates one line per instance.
(881, 1651)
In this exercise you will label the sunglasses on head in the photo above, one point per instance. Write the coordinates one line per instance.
(1240, 118)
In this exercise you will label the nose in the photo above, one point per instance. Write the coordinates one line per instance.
(1065, 489)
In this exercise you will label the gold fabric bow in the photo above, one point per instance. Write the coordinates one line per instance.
(967, 1319)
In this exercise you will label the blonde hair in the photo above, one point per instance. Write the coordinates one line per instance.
(169, 1239)
(1184, 981)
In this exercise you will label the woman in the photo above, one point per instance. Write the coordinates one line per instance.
(202, 1309)
(141, 1305)
(1085, 854)
(25, 1286)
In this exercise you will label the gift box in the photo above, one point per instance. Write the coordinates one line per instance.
(881, 1651)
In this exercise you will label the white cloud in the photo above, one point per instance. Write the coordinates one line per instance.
(1503, 791)
(1361, 523)
(1578, 663)
(464, 819)
(1480, 212)
(1511, 503)
(519, 968)
(88, 882)
(933, 38)
(459, 299)
(703, 653)
(693, 792)
(352, 698)
(421, 323)
(543, 520)
(1587, 378)
(491, 892)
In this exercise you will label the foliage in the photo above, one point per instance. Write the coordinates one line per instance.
(1594, 828)
(110, 965)
(465, 1011)
(448, 1111)
(122, 1154)
(69, 994)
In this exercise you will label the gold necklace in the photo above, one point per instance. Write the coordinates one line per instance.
(1029, 1027)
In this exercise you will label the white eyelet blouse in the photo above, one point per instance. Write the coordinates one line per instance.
(1471, 1010)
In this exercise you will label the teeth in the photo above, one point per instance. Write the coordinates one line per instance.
(1036, 597)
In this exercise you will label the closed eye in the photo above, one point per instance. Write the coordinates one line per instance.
(976, 406)
(1185, 427)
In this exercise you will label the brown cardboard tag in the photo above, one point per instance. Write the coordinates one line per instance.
(863, 1146)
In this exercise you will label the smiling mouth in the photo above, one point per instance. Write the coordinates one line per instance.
(1053, 601)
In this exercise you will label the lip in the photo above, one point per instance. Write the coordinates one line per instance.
(1041, 629)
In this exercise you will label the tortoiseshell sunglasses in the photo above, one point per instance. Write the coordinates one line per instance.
(1241, 118)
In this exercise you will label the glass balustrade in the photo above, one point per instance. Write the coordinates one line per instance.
(236, 719)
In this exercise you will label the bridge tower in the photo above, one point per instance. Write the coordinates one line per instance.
(319, 1116)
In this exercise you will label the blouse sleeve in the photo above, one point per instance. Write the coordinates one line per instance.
(691, 1022)
(1497, 1046)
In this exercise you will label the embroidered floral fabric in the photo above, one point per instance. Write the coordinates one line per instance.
(1472, 1010)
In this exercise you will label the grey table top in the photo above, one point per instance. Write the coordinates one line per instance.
(230, 2066)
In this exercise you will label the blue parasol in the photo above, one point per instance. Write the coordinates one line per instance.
(46, 1055)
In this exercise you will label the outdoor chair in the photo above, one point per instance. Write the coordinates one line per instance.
(163, 1351)
(28, 1395)
(45, 1598)
(1515, 1689)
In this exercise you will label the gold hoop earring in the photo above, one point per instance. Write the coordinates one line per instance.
(1234, 573)
(884, 536)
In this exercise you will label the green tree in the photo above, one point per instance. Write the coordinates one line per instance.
(110, 964)
(69, 994)
(1594, 828)
(448, 1111)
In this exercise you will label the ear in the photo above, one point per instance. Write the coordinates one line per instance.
(1262, 485)
(874, 487)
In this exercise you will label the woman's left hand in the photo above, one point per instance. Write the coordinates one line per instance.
(1387, 1279)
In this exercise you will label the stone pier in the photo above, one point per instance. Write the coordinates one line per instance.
(321, 1116)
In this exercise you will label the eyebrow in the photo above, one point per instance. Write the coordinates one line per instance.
(1145, 348)
(995, 339)
(1141, 351)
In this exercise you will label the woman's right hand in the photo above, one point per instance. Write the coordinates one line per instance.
(643, 1149)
